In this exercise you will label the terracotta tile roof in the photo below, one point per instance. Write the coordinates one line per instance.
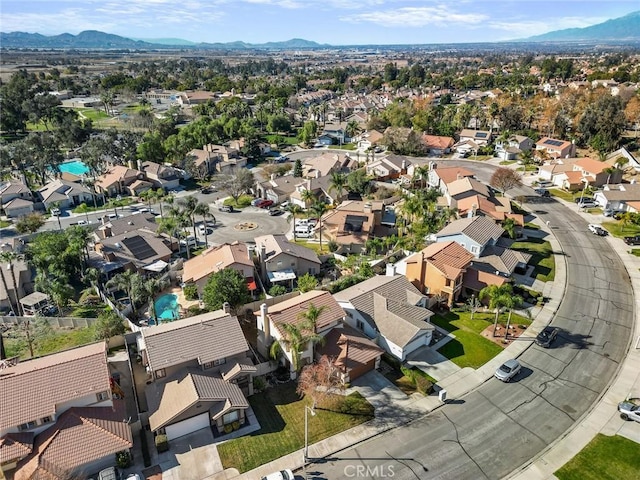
(479, 229)
(31, 390)
(79, 436)
(590, 165)
(451, 174)
(436, 141)
(278, 244)
(290, 311)
(215, 259)
(574, 176)
(15, 446)
(177, 394)
(349, 348)
(207, 337)
(467, 184)
(116, 174)
(478, 203)
(449, 257)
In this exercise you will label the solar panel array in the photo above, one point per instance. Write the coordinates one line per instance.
(139, 247)
(481, 134)
(555, 143)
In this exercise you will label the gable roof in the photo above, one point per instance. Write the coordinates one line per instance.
(207, 337)
(34, 388)
(177, 394)
(437, 141)
(327, 163)
(140, 247)
(116, 174)
(590, 165)
(502, 259)
(79, 436)
(479, 229)
(349, 348)
(621, 192)
(131, 223)
(15, 446)
(467, 184)
(278, 244)
(290, 310)
(58, 189)
(451, 174)
(214, 259)
(450, 258)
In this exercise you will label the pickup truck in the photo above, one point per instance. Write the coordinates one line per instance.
(635, 240)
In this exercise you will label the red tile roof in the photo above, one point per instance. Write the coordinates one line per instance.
(349, 348)
(448, 257)
(15, 446)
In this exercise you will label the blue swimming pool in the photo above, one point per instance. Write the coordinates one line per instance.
(167, 307)
(75, 167)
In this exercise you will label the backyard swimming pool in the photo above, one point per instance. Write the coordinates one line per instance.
(75, 167)
(167, 307)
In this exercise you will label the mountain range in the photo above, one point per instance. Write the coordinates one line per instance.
(622, 29)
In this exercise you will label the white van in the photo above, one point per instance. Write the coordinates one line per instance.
(304, 231)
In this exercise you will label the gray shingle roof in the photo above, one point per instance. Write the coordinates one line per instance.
(277, 244)
(480, 229)
(207, 337)
(503, 259)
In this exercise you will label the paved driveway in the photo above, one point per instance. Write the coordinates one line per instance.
(191, 457)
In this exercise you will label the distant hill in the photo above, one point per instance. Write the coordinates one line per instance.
(619, 29)
(100, 40)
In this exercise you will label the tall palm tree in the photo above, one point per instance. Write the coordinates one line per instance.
(319, 209)
(308, 196)
(499, 297)
(337, 182)
(11, 258)
(126, 281)
(191, 207)
(515, 301)
(148, 289)
(298, 336)
(169, 225)
(294, 209)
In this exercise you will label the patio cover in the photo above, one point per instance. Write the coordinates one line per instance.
(281, 275)
(156, 266)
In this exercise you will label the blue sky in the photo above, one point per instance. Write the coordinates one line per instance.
(336, 22)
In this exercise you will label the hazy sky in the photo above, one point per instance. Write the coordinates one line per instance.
(337, 22)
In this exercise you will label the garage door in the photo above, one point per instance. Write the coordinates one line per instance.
(187, 426)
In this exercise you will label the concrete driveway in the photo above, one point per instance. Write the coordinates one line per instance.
(432, 363)
(191, 457)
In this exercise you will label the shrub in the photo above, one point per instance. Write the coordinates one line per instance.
(190, 291)
(244, 200)
(423, 385)
(276, 290)
(194, 310)
(235, 425)
(162, 443)
(228, 428)
(89, 297)
(259, 384)
(123, 459)
(333, 246)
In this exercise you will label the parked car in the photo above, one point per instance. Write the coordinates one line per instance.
(284, 204)
(203, 228)
(264, 204)
(256, 201)
(281, 475)
(635, 240)
(508, 370)
(608, 212)
(547, 336)
(110, 473)
(83, 222)
(55, 211)
(190, 241)
(597, 230)
(225, 208)
(629, 410)
(587, 204)
(542, 192)
(274, 212)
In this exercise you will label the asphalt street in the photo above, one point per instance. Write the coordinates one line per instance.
(499, 427)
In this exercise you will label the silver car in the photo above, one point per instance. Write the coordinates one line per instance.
(508, 370)
(629, 410)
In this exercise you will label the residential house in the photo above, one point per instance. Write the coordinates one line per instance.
(9, 293)
(351, 351)
(500, 261)
(369, 139)
(389, 167)
(200, 371)
(463, 188)
(322, 191)
(498, 208)
(64, 194)
(353, 222)
(228, 255)
(217, 159)
(271, 320)
(551, 171)
(621, 197)
(58, 414)
(553, 148)
(130, 223)
(141, 250)
(161, 176)
(282, 261)
(438, 270)
(481, 138)
(16, 199)
(474, 234)
(622, 153)
(390, 310)
(196, 97)
(516, 144)
(440, 177)
(277, 189)
(326, 163)
(437, 145)
(596, 173)
(121, 180)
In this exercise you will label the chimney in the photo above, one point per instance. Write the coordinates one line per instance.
(226, 307)
(367, 207)
(317, 173)
(106, 232)
(266, 328)
(391, 270)
(273, 177)
(404, 165)
(432, 165)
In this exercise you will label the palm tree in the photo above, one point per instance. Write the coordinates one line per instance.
(169, 225)
(337, 182)
(319, 209)
(510, 225)
(192, 207)
(499, 297)
(148, 289)
(298, 336)
(515, 301)
(308, 196)
(126, 281)
(11, 258)
(352, 129)
(294, 209)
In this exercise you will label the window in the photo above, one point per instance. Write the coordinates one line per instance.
(207, 365)
(474, 249)
(160, 373)
(27, 426)
(349, 314)
(230, 417)
(220, 361)
(102, 396)
(47, 419)
(360, 324)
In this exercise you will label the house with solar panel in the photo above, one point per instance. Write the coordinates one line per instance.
(553, 148)
(471, 140)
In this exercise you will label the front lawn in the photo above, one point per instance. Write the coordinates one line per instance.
(315, 246)
(604, 458)
(617, 229)
(49, 342)
(470, 348)
(280, 412)
(242, 202)
(542, 257)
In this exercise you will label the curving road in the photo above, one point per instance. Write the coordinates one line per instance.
(498, 427)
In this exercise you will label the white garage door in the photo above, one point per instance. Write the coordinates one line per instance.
(187, 426)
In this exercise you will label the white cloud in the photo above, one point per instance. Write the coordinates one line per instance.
(417, 17)
(526, 27)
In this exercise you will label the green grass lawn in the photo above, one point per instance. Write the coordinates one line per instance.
(568, 196)
(243, 201)
(315, 246)
(93, 114)
(346, 146)
(16, 345)
(542, 257)
(616, 229)
(281, 140)
(280, 412)
(4, 223)
(604, 458)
